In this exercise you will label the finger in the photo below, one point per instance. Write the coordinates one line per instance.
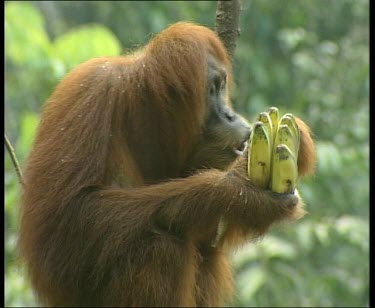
(287, 199)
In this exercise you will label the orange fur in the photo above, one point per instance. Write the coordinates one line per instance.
(307, 153)
(115, 212)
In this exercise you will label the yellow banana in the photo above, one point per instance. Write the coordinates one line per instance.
(284, 170)
(265, 118)
(273, 151)
(274, 116)
(288, 119)
(260, 152)
(285, 136)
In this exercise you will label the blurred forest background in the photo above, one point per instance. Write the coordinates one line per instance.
(307, 57)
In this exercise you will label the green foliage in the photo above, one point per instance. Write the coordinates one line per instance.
(29, 123)
(93, 41)
(305, 57)
(26, 33)
(314, 63)
(30, 53)
(17, 290)
(274, 271)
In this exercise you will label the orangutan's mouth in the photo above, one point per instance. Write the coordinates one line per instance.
(240, 149)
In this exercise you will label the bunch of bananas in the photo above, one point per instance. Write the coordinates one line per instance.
(273, 151)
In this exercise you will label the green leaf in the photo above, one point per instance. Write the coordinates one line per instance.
(29, 124)
(26, 41)
(290, 38)
(250, 281)
(274, 247)
(329, 158)
(322, 233)
(305, 235)
(85, 43)
(356, 229)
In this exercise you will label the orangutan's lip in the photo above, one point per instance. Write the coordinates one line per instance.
(241, 149)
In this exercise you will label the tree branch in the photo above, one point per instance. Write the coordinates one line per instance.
(228, 23)
(13, 156)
